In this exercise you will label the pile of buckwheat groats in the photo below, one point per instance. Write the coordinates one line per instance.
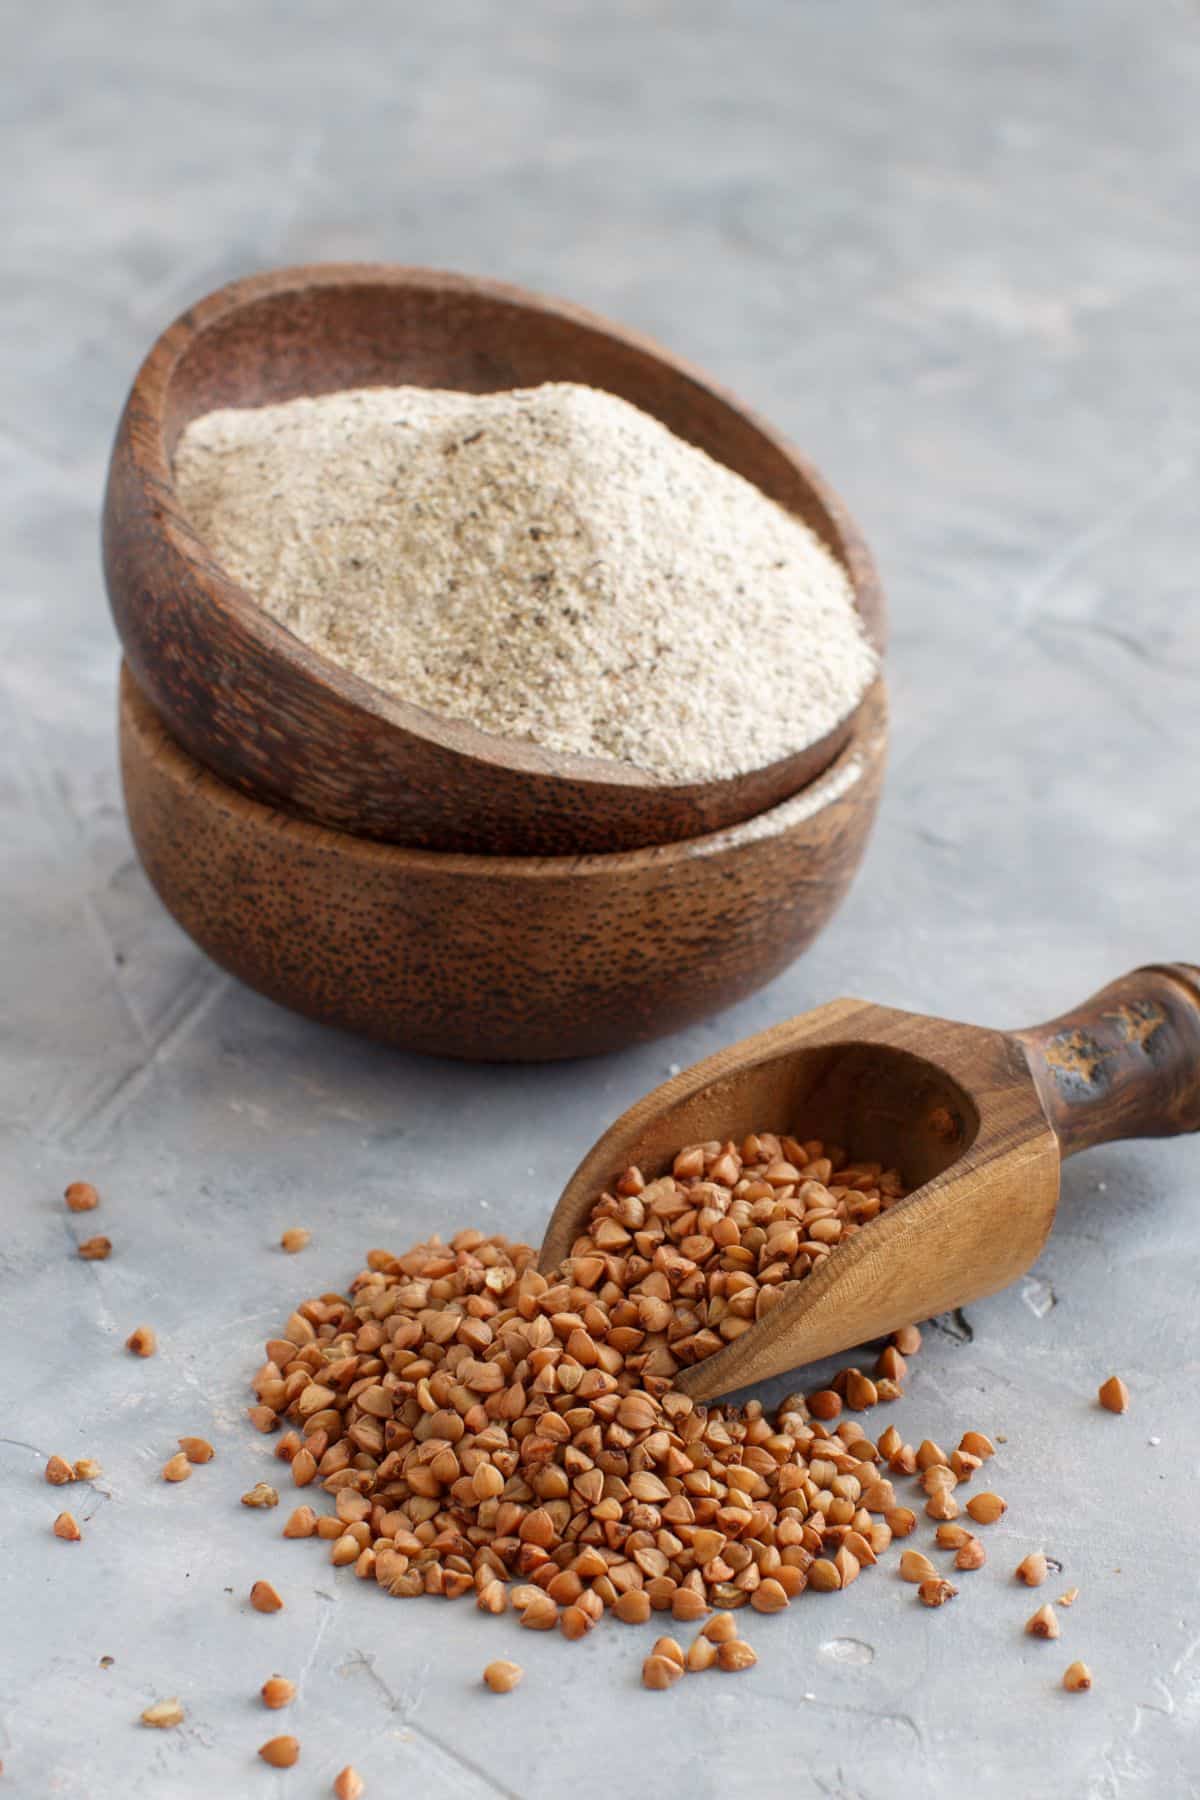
(483, 1428)
(479, 1424)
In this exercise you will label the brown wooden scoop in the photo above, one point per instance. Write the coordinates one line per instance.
(977, 1122)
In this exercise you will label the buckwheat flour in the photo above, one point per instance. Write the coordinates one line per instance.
(548, 563)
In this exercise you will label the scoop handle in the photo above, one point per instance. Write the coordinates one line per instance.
(1124, 1064)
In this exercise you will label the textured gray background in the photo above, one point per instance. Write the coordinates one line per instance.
(952, 250)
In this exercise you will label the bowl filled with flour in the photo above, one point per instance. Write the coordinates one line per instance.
(429, 560)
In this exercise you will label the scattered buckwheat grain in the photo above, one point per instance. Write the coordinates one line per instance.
(1114, 1395)
(142, 1341)
(277, 1692)
(349, 1785)
(196, 1449)
(264, 1599)
(81, 1197)
(59, 1472)
(502, 1677)
(163, 1714)
(177, 1468)
(661, 1671)
(720, 1630)
(915, 1567)
(1078, 1678)
(261, 1494)
(985, 1509)
(825, 1404)
(66, 1527)
(280, 1752)
(295, 1239)
(1043, 1623)
(95, 1249)
(1032, 1569)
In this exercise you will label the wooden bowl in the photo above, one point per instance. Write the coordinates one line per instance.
(280, 721)
(500, 958)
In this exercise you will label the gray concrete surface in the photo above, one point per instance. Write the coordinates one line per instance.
(951, 249)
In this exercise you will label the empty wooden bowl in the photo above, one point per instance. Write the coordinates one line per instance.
(498, 958)
(279, 721)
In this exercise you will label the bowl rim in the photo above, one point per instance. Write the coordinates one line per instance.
(148, 399)
(865, 751)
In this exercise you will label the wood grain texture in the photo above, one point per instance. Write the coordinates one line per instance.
(977, 1121)
(488, 957)
(248, 700)
(1124, 1064)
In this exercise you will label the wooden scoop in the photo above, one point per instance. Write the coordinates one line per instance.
(977, 1122)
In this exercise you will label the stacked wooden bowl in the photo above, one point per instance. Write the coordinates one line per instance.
(370, 864)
